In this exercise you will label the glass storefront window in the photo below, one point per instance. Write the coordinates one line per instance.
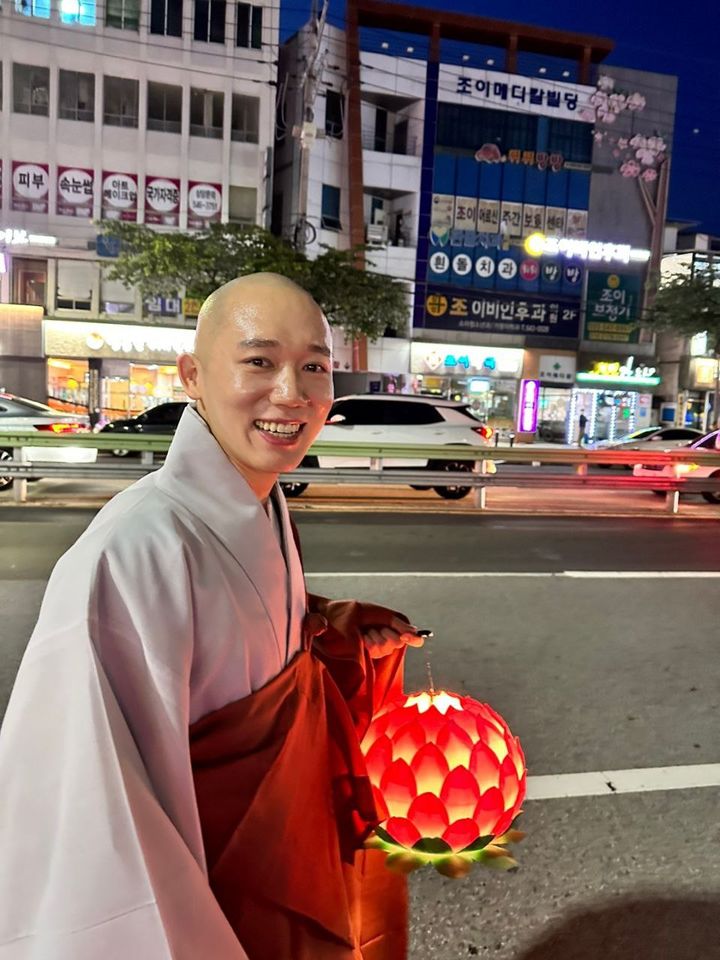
(67, 385)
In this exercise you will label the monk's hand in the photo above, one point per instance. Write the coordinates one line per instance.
(382, 641)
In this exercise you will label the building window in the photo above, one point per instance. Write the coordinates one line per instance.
(249, 26)
(166, 17)
(210, 21)
(571, 139)
(206, 113)
(123, 14)
(115, 297)
(334, 111)
(29, 280)
(30, 89)
(33, 8)
(77, 96)
(245, 118)
(75, 280)
(121, 102)
(164, 107)
(243, 205)
(330, 208)
(78, 11)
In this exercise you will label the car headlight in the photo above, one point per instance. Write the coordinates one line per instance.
(683, 468)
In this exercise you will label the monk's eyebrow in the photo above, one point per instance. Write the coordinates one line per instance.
(320, 348)
(255, 342)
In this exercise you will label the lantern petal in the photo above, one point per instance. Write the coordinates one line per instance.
(398, 718)
(488, 811)
(503, 824)
(460, 793)
(461, 834)
(398, 788)
(484, 766)
(378, 758)
(509, 783)
(494, 718)
(433, 723)
(407, 741)
(496, 741)
(403, 831)
(466, 719)
(380, 806)
(430, 769)
(429, 815)
(517, 755)
(455, 744)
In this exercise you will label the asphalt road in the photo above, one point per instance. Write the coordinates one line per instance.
(597, 639)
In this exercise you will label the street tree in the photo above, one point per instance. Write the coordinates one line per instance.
(164, 264)
(687, 304)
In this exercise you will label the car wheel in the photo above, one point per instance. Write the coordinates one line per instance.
(294, 489)
(452, 466)
(712, 496)
(414, 486)
(5, 481)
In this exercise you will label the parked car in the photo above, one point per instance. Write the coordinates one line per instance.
(649, 438)
(400, 418)
(18, 413)
(369, 418)
(709, 442)
(162, 419)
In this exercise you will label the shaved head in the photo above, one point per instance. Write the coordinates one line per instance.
(243, 299)
(261, 374)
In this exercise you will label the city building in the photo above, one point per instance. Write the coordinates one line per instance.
(687, 365)
(510, 180)
(158, 112)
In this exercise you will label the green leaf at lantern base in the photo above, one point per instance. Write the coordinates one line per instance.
(456, 867)
(434, 845)
(404, 862)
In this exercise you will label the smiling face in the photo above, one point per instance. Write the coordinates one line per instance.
(261, 374)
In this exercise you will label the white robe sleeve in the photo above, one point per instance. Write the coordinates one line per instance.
(99, 836)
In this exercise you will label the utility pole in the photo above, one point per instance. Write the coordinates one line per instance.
(305, 132)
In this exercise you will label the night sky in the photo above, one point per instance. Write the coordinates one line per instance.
(665, 37)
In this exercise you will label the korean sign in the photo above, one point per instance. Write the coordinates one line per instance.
(119, 196)
(30, 187)
(204, 204)
(74, 192)
(470, 311)
(613, 304)
(505, 91)
(162, 201)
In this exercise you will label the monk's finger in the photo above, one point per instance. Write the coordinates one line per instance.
(412, 639)
(402, 626)
(374, 637)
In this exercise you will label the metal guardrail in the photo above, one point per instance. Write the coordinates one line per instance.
(478, 478)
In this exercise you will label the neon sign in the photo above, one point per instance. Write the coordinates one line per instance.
(593, 251)
(14, 237)
(621, 374)
(528, 406)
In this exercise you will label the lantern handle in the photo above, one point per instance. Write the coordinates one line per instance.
(428, 635)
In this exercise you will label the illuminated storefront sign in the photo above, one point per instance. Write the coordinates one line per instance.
(614, 373)
(14, 237)
(122, 341)
(452, 309)
(528, 406)
(455, 360)
(505, 91)
(595, 251)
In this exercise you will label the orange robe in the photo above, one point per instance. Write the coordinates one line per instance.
(285, 803)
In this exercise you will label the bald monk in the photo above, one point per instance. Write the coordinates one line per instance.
(180, 775)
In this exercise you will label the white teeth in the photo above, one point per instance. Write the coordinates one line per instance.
(270, 426)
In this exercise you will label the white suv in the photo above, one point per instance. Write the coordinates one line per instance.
(400, 418)
(694, 471)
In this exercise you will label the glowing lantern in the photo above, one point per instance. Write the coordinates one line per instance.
(449, 781)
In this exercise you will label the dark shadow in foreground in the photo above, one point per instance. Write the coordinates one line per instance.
(635, 929)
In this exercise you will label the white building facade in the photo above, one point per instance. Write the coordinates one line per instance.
(157, 112)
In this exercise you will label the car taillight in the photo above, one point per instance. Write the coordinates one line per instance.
(485, 431)
(60, 427)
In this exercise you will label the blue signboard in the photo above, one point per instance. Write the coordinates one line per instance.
(452, 308)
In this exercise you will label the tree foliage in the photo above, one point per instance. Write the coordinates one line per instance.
(688, 304)
(163, 264)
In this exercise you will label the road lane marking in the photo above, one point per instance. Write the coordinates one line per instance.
(602, 783)
(558, 575)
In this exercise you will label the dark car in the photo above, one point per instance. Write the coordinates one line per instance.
(162, 419)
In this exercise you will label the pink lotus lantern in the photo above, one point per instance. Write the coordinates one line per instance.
(449, 781)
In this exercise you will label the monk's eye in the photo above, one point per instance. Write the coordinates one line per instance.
(316, 367)
(257, 362)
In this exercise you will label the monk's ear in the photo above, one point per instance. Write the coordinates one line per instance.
(188, 368)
